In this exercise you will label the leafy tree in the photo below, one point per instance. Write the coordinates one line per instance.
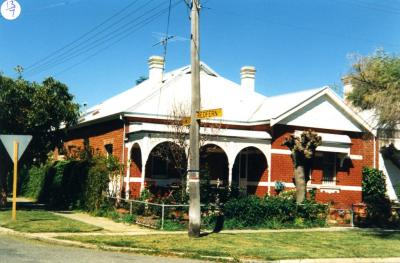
(37, 109)
(376, 85)
(302, 152)
(141, 79)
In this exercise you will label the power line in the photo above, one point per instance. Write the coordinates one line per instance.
(148, 21)
(87, 47)
(92, 42)
(83, 35)
(167, 33)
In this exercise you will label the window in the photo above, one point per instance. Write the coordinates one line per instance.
(109, 149)
(72, 149)
(329, 168)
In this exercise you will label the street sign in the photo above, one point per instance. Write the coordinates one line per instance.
(15, 146)
(186, 121)
(206, 114)
(8, 142)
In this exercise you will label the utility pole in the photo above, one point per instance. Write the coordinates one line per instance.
(194, 163)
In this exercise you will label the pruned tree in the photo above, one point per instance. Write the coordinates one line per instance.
(302, 149)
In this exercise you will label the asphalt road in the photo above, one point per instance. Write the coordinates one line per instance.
(19, 250)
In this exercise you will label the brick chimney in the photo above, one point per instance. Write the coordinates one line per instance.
(156, 67)
(248, 76)
(347, 89)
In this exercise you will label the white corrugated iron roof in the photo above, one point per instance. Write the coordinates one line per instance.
(157, 100)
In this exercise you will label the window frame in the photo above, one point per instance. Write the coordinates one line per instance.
(329, 179)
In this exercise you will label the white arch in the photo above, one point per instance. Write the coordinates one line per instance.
(154, 146)
(230, 146)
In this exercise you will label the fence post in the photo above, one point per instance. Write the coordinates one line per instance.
(130, 208)
(351, 218)
(162, 216)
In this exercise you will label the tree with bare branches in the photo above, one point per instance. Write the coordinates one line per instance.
(302, 149)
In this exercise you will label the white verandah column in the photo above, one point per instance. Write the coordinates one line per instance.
(145, 156)
(128, 170)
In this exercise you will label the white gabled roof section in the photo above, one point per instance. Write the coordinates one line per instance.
(322, 113)
(323, 109)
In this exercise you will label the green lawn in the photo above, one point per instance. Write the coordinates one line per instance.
(266, 246)
(42, 221)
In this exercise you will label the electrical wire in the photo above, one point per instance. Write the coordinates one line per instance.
(83, 35)
(94, 42)
(144, 23)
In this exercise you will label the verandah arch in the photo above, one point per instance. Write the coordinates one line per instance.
(136, 161)
(165, 168)
(135, 170)
(250, 168)
(214, 164)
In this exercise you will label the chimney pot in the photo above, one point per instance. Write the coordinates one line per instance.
(248, 76)
(347, 89)
(156, 67)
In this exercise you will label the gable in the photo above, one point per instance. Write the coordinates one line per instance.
(322, 113)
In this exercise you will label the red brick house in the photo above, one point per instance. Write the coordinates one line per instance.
(245, 149)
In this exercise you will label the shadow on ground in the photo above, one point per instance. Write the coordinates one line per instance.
(24, 205)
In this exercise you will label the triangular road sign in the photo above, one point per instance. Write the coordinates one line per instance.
(8, 141)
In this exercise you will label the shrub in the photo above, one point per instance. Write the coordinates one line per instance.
(173, 225)
(33, 185)
(270, 212)
(374, 195)
(97, 183)
(71, 183)
(373, 183)
(129, 219)
(249, 211)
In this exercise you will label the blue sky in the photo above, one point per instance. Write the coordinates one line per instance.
(294, 45)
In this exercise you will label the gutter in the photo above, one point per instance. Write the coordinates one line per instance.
(222, 121)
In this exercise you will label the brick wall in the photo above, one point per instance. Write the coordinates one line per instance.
(260, 190)
(134, 190)
(347, 175)
(111, 132)
(98, 135)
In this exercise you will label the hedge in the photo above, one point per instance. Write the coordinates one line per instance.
(69, 184)
(270, 212)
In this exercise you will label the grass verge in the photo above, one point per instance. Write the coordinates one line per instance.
(43, 221)
(265, 246)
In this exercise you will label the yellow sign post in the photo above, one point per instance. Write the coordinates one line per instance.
(14, 202)
(186, 121)
(15, 146)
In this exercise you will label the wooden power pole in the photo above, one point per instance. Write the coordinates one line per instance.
(194, 151)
